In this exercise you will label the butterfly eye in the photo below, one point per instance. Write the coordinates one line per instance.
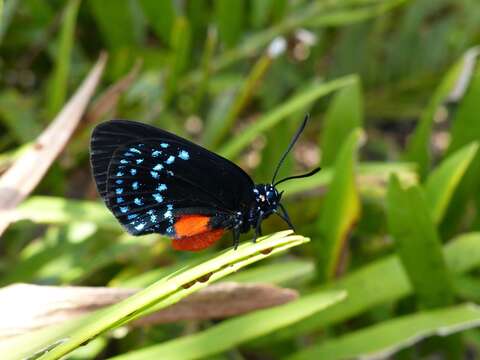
(271, 196)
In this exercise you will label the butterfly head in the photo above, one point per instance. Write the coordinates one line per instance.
(267, 198)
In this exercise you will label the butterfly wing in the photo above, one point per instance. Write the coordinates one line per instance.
(150, 179)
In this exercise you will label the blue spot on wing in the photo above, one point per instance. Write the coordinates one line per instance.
(140, 226)
(184, 155)
(158, 198)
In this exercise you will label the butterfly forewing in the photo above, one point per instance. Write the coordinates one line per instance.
(149, 178)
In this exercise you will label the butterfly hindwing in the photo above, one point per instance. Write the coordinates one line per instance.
(149, 178)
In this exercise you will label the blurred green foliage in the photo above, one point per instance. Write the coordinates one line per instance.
(392, 216)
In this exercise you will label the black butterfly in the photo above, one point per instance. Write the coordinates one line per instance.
(156, 182)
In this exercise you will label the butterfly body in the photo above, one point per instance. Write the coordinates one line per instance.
(156, 182)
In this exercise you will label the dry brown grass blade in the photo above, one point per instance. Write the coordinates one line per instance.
(28, 170)
(108, 100)
(25, 307)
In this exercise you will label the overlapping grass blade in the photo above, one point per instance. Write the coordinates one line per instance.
(234, 332)
(60, 340)
(344, 114)
(418, 244)
(340, 210)
(383, 340)
(443, 181)
(367, 288)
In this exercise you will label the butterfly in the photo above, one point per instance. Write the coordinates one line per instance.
(156, 182)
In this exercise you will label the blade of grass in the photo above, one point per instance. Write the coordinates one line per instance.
(18, 115)
(442, 181)
(282, 273)
(56, 210)
(181, 39)
(232, 148)
(161, 15)
(116, 23)
(206, 66)
(465, 129)
(418, 244)
(216, 131)
(230, 16)
(385, 339)
(233, 332)
(59, 81)
(344, 114)
(419, 144)
(367, 288)
(340, 210)
(342, 17)
(27, 307)
(6, 15)
(69, 336)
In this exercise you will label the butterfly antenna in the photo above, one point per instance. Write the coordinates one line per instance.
(310, 173)
(290, 146)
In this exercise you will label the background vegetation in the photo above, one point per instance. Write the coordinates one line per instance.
(393, 89)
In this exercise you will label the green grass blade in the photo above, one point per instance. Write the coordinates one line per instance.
(465, 129)
(116, 22)
(161, 15)
(56, 210)
(18, 116)
(418, 244)
(234, 332)
(442, 181)
(367, 288)
(216, 131)
(267, 121)
(166, 291)
(344, 17)
(279, 273)
(385, 339)
(181, 42)
(340, 210)
(230, 16)
(344, 114)
(419, 144)
(59, 82)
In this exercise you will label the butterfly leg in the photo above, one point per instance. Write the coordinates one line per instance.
(236, 237)
(258, 227)
(284, 215)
